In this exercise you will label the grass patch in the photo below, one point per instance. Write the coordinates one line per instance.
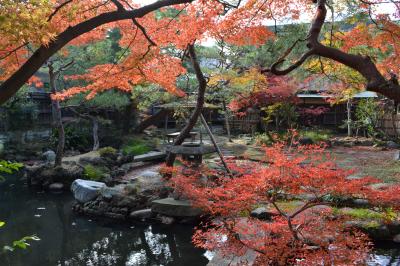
(135, 147)
(389, 171)
(94, 173)
(362, 214)
(316, 135)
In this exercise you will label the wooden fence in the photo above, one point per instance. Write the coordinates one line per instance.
(245, 124)
(391, 125)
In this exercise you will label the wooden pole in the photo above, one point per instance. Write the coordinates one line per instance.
(166, 129)
(226, 118)
(221, 156)
(349, 131)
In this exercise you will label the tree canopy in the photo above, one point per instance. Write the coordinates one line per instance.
(155, 35)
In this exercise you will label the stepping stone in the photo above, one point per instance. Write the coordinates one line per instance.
(150, 156)
(175, 208)
(247, 258)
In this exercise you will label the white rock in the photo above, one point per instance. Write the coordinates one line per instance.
(86, 190)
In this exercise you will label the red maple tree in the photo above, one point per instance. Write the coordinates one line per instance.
(307, 233)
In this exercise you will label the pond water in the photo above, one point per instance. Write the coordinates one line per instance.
(67, 239)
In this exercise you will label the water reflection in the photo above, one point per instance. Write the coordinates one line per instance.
(387, 254)
(71, 240)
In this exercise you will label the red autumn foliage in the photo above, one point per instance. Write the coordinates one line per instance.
(275, 89)
(305, 234)
(309, 114)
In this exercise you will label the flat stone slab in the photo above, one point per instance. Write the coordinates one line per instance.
(175, 208)
(203, 149)
(248, 258)
(150, 156)
(86, 190)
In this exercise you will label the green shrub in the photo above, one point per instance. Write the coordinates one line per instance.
(316, 135)
(92, 172)
(107, 152)
(77, 137)
(9, 168)
(263, 139)
(135, 147)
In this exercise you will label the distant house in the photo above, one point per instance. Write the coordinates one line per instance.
(336, 113)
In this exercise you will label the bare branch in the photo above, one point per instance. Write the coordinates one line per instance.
(143, 30)
(274, 68)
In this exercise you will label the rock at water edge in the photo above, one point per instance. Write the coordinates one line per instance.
(86, 190)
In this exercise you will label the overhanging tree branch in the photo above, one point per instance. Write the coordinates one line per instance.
(58, 9)
(9, 87)
(363, 64)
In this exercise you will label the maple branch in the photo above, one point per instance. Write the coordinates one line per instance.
(227, 4)
(274, 68)
(143, 30)
(118, 5)
(64, 67)
(58, 9)
(13, 50)
(138, 25)
(362, 64)
(10, 86)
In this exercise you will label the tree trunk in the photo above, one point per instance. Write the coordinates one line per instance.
(57, 118)
(228, 128)
(199, 105)
(96, 142)
(130, 114)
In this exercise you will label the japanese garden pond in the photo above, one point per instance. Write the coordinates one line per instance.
(68, 239)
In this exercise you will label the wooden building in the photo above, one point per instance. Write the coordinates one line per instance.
(337, 113)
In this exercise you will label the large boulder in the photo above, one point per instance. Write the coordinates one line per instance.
(392, 145)
(49, 156)
(86, 190)
(92, 158)
(148, 183)
(46, 174)
(262, 213)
